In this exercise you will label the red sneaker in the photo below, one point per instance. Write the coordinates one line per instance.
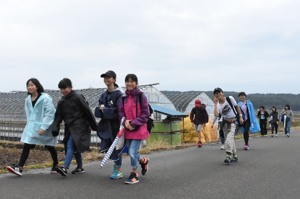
(199, 144)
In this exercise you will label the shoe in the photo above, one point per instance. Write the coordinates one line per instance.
(53, 170)
(228, 159)
(61, 170)
(144, 162)
(246, 147)
(222, 147)
(272, 135)
(276, 135)
(199, 144)
(15, 169)
(234, 158)
(116, 174)
(78, 170)
(132, 179)
(288, 134)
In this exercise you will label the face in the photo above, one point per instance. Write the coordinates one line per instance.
(109, 81)
(31, 88)
(66, 91)
(218, 96)
(130, 85)
(242, 98)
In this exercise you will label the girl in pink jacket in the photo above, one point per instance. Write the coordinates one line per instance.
(134, 107)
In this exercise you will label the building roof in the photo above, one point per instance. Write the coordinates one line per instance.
(167, 111)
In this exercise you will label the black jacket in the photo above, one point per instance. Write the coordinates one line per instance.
(73, 109)
(199, 115)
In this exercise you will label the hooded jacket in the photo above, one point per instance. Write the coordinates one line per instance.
(39, 116)
(254, 125)
(131, 109)
(199, 115)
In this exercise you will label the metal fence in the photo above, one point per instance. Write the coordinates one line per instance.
(11, 130)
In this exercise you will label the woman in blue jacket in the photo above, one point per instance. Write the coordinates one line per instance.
(40, 112)
(250, 121)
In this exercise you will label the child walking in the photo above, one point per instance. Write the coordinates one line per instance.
(40, 111)
(73, 109)
(136, 113)
(109, 124)
(223, 106)
(199, 118)
(274, 119)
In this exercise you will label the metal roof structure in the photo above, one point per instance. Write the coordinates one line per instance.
(167, 111)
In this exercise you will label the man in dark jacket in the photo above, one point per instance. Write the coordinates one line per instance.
(199, 118)
(73, 109)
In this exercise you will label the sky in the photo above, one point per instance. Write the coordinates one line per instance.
(238, 45)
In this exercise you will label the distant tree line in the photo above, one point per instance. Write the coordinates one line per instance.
(268, 100)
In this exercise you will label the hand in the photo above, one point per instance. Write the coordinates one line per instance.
(41, 132)
(128, 125)
(101, 107)
(215, 100)
(241, 120)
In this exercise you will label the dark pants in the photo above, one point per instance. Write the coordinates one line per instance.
(222, 137)
(246, 126)
(274, 126)
(263, 127)
(28, 147)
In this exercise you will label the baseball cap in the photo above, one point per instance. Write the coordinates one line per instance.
(109, 73)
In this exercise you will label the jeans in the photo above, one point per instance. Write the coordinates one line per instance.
(287, 128)
(71, 150)
(246, 126)
(133, 151)
(274, 126)
(221, 136)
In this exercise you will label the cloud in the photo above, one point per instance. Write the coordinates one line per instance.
(183, 45)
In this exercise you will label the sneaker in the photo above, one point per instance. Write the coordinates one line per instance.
(199, 144)
(116, 174)
(132, 179)
(288, 134)
(61, 170)
(222, 147)
(15, 170)
(78, 170)
(53, 170)
(228, 159)
(246, 147)
(276, 135)
(144, 162)
(272, 135)
(234, 158)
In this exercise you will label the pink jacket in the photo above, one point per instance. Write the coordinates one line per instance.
(128, 110)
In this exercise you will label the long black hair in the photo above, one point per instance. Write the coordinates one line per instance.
(36, 82)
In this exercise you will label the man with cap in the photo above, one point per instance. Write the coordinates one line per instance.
(199, 118)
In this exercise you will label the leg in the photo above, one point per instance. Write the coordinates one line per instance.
(25, 154)
(53, 153)
(222, 137)
(133, 148)
(246, 132)
(288, 126)
(276, 127)
(70, 152)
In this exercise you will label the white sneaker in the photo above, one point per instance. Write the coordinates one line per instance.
(222, 147)
(276, 135)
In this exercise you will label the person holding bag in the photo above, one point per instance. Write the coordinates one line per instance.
(109, 125)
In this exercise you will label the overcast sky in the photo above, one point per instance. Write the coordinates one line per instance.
(238, 45)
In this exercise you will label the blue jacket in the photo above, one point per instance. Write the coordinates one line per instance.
(39, 117)
(254, 125)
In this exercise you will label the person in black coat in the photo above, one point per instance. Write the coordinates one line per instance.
(199, 118)
(263, 116)
(73, 109)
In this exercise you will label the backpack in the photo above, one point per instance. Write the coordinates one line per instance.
(235, 112)
(150, 121)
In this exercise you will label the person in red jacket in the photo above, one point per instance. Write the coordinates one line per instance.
(199, 118)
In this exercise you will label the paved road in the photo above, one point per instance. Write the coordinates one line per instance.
(271, 169)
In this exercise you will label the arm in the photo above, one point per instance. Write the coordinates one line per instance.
(192, 115)
(49, 112)
(88, 112)
(98, 111)
(58, 118)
